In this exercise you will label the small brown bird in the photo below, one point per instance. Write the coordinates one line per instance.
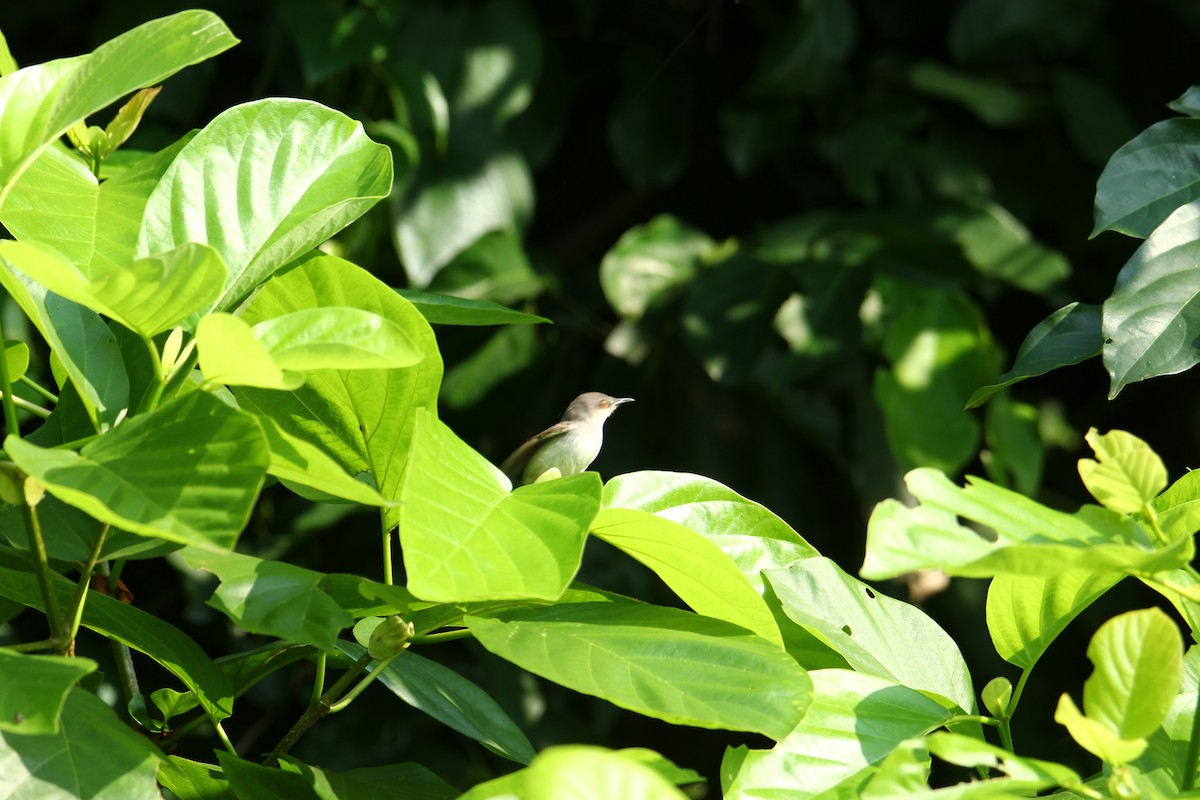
(569, 446)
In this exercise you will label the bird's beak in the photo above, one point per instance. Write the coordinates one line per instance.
(620, 401)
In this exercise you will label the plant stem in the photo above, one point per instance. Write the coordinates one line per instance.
(37, 546)
(367, 680)
(441, 636)
(224, 737)
(10, 410)
(32, 408)
(121, 654)
(318, 681)
(316, 711)
(37, 387)
(75, 612)
(387, 547)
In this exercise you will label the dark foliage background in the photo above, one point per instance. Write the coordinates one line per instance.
(852, 179)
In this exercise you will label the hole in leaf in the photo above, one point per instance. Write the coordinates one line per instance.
(846, 630)
(870, 594)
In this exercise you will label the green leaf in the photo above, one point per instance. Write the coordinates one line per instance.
(362, 418)
(1187, 103)
(1128, 474)
(494, 267)
(1026, 538)
(444, 309)
(858, 623)
(93, 756)
(16, 359)
(1094, 736)
(997, 697)
(189, 472)
(452, 700)
(939, 350)
(82, 342)
(1069, 336)
(1152, 318)
(1025, 613)
(277, 599)
(697, 570)
(35, 689)
(467, 537)
(337, 338)
(149, 296)
(1138, 659)
(231, 354)
(855, 720)
(192, 780)
(299, 463)
(661, 662)
(650, 263)
(127, 118)
(582, 772)
(254, 781)
(409, 781)
(995, 103)
(1015, 453)
(42, 101)
(1142, 183)
(143, 632)
(280, 176)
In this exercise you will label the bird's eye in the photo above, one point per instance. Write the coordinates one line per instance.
(604, 404)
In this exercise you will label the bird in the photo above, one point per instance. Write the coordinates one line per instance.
(569, 446)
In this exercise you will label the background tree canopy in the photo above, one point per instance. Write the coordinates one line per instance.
(801, 234)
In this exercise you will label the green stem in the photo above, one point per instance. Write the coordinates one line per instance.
(37, 546)
(32, 408)
(121, 654)
(1193, 753)
(1151, 517)
(367, 680)
(441, 636)
(387, 547)
(318, 681)
(10, 410)
(37, 387)
(317, 711)
(224, 737)
(154, 394)
(75, 612)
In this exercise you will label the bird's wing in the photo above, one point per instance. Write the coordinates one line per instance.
(514, 466)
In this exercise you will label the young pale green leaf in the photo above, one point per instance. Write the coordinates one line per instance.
(337, 338)
(41, 102)
(93, 755)
(1096, 737)
(1138, 660)
(1178, 508)
(83, 344)
(1025, 613)
(127, 118)
(858, 623)
(467, 537)
(905, 772)
(1026, 537)
(231, 354)
(1128, 474)
(1142, 183)
(16, 358)
(1069, 336)
(409, 781)
(189, 472)
(298, 462)
(35, 688)
(362, 418)
(263, 183)
(750, 534)
(273, 598)
(444, 309)
(855, 720)
(452, 700)
(693, 567)
(137, 629)
(997, 697)
(1153, 317)
(661, 662)
(581, 772)
(651, 262)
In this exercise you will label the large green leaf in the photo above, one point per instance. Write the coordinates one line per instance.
(855, 720)
(1069, 336)
(860, 624)
(1025, 613)
(409, 781)
(94, 756)
(583, 772)
(696, 569)
(188, 472)
(34, 690)
(78, 337)
(1152, 319)
(263, 183)
(1026, 537)
(466, 536)
(299, 463)
(362, 418)
(1144, 182)
(192, 780)
(40, 102)
(1138, 660)
(1126, 474)
(661, 662)
(138, 629)
(451, 699)
(444, 309)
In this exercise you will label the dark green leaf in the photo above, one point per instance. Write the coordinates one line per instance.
(407, 781)
(442, 309)
(1142, 184)
(191, 780)
(34, 690)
